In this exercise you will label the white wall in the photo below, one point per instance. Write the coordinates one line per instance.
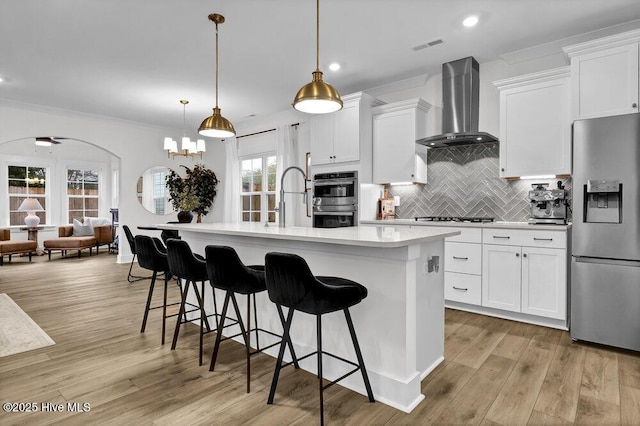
(137, 146)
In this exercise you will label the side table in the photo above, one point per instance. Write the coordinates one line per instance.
(32, 234)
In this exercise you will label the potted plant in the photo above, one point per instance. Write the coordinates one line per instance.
(193, 193)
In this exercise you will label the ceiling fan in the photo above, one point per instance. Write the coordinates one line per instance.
(49, 140)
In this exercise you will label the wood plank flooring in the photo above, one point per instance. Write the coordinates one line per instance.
(495, 372)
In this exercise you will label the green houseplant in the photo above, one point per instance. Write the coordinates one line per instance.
(194, 192)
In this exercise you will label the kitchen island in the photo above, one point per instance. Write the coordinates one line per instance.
(400, 325)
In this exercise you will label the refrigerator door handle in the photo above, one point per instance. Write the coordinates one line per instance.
(584, 259)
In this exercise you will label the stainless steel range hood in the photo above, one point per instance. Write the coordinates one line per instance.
(460, 101)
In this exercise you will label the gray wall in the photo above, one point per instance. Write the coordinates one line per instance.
(463, 181)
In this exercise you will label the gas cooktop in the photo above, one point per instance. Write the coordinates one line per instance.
(453, 219)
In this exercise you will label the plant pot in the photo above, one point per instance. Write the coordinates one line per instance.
(185, 217)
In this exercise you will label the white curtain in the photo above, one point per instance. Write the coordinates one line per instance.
(286, 157)
(232, 182)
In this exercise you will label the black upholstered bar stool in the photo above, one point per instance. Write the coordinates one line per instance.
(192, 268)
(152, 255)
(290, 283)
(132, 245)
(228, 273)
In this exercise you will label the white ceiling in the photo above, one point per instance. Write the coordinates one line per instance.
(135, 59)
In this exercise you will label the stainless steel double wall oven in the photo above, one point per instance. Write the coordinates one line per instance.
(335, 199)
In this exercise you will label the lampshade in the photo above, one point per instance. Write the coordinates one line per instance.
(317, 97)
(31, 205)
(216, 126)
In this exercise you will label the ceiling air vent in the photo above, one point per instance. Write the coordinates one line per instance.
(430, 43)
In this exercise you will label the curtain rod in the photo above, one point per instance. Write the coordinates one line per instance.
(263, 131)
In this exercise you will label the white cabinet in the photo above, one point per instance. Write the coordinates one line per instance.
(342, 136)
(544, 273)
(463, 267)
(525, 272)
(535, 124)
(396, 156)
(605, 76)
(501, 271)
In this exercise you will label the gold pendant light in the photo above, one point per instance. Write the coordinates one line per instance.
(216, 126)
(317, 97)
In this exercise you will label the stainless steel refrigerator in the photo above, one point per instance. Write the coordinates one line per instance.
(605, 266)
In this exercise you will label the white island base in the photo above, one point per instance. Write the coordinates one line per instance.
(400, 325)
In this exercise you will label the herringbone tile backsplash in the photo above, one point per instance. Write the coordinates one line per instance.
(463, 181)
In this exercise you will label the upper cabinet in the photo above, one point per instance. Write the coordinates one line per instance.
(345, 135)
(535, 124)
(396, 156)
(604, 75)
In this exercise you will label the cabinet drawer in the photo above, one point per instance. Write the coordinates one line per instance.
(527, 238)
(463, 257)
(463, 288)
(467, 235)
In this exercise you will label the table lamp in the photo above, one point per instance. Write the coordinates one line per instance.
(31, 205)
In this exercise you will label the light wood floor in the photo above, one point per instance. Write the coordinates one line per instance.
(496, 371)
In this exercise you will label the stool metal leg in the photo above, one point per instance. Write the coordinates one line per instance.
(216, 347)
(285, 339)
(291, 351)
(180, 314)
(321, 387)
(245, 335)
(146, 309)
(164, 305)
(356, 346)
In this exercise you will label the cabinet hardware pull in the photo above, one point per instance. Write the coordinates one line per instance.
(542, 239)
(501, 237)
(460, 289)
(634, 105)
(524, 254)
(517, 254)
(460, 258)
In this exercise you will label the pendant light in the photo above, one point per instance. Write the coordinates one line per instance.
(216, 126)
(317, 97)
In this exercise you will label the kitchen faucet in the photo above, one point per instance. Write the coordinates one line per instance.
(281, 218)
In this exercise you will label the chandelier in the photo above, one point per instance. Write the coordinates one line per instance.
(188, 148)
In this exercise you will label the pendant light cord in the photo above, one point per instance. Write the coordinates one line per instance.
(317, 35)
(216, 65)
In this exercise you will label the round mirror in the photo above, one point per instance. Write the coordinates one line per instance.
(152, 192)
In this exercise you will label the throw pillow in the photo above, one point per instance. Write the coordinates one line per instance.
(81, 230)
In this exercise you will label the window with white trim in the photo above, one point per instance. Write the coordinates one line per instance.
(258, 191)
(83, 193)
(24, 182)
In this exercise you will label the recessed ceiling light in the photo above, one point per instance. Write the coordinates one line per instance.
(470, 21)
(1, 79)
(334, 66)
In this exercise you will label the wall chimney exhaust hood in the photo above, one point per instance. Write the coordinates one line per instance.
(460, 101)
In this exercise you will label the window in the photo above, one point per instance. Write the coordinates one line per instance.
(83, 192)
(26, 182)
(258, 193)
(159, 191)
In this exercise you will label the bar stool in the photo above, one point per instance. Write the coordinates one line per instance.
(191, 268)
(152, 255)
(228, 273)
(290, 283)
(132, 245)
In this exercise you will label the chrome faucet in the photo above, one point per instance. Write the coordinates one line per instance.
(281, 205)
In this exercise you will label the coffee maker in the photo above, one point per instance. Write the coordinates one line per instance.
(548, 205)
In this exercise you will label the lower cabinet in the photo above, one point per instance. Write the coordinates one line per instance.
(501, 282)
(529, 280)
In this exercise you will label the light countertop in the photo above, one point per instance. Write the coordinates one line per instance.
(488, 225)
(365, 236)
